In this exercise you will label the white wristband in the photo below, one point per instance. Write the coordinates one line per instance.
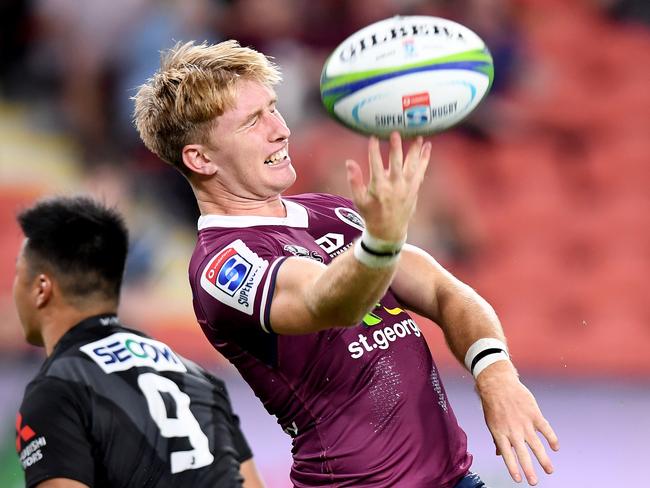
(376, 253)
(381, 245)
(483, 353)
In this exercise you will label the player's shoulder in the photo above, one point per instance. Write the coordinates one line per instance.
(92, 355)
(43, 391)
(212, 239)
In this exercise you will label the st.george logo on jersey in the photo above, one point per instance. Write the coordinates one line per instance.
(233, 275)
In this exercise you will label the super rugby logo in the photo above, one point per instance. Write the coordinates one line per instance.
(229, 271)
(416, 109)
(233, 275)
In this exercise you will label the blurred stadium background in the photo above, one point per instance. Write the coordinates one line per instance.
(541, 201)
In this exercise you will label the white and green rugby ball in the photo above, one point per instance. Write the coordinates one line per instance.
(415, 74)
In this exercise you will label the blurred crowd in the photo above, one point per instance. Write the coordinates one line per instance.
(539, 199)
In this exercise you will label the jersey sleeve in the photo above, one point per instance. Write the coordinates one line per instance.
(233, 286)
(51, 436)
(243, 450)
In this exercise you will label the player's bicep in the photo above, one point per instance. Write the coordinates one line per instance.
(418, 280)
(291, 313)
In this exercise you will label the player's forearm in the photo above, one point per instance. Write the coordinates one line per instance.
(249, 472)
(346, 291)
(466, 317)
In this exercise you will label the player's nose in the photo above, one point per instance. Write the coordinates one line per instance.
(279, 129)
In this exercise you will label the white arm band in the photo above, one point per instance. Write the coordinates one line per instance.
(376, 253)
(483, 353)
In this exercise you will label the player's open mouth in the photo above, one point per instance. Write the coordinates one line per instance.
(277, 157)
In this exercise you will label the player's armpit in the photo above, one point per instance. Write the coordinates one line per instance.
(61, 483)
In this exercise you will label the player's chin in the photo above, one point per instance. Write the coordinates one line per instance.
(283, 176)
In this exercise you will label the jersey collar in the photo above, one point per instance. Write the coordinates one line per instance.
(101, 320)
(296, 217)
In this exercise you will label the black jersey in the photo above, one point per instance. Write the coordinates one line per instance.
(112, 407)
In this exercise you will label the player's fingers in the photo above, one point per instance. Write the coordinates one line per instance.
(416, 171)
(540, 453)
(395, 155)
(355, 180)
(547, 431)
(525, 461)
(509, 458)
(425, 158)
(376, 164)
(412, 160)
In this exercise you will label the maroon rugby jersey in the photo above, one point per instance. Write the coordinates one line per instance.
(365, 405)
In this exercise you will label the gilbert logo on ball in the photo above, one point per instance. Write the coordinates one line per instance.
(418, 75)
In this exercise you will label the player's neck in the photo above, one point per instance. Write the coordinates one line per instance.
(226, 204)
(58, 322)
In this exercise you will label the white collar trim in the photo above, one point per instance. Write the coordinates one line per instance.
(296, 217)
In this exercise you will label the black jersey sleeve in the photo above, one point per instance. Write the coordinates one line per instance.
(244, 452)
(240, 443)
(51, 433)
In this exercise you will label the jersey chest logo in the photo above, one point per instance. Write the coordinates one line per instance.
(123, 350)
(233, 275)
(331, 242)
(350, 217)
(303, 252)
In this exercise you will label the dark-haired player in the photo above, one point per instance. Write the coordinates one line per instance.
(110, 407)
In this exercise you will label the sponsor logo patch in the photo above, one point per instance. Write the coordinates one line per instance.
(23, 431)
(123, 350)
(303, 252)
(382, 337)
(417, 111)
(31, 453)
(331, 242)
(350, 217)
(233, 276)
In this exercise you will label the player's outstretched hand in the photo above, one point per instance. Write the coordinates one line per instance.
(388, 200)
(514, 418)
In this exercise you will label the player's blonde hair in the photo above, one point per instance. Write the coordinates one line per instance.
(194, 85)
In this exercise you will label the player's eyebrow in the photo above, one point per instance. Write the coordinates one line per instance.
(258, 112)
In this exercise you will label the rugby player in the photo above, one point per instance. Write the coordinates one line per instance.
(308, 296)
(110, 407)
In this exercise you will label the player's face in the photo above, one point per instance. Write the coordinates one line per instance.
(250, 144)
(24, 283)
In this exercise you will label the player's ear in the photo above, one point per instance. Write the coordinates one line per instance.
(198, 159)
(42, 290)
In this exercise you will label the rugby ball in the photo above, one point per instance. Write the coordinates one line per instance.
(415, 74)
